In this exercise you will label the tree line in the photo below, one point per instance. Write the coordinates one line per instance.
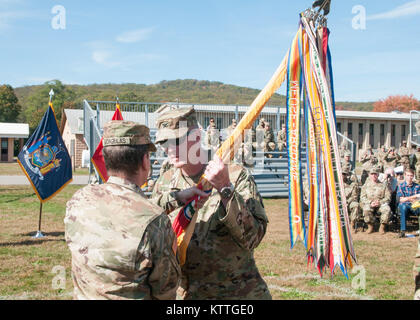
(28, 104)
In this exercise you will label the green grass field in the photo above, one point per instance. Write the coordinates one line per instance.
(13, 169)
(27, 264)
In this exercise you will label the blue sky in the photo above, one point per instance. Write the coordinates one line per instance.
(238, 42)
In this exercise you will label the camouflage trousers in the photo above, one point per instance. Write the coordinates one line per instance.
(354, 211)
(369, 213)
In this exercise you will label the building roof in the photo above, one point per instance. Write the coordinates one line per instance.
(274, 110)
(14, 130)
(74, 118)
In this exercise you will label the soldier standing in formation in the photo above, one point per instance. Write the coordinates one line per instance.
(352, 191)
(231, 222)
(375, 197)
(404, 154)
(122, 245)
(282, 138)
(416, 163)
(391, 158)
(346, 162)
(381, 155)
(269, 144)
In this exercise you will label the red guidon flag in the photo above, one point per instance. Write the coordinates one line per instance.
(98, 158)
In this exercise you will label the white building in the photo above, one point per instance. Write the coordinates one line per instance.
(9, 132)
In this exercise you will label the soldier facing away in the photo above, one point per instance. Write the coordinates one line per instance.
(231, 220)
(352, 191)
(122, 245)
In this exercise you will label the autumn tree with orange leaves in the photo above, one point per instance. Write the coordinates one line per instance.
(397, 103)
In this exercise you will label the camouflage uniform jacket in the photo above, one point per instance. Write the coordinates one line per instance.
(268, 136)
(391, 161)
(416, 271)
(416, 159)
(352, 191)
(374, 191)
(220, 257)
(346, 165)
(121, 244)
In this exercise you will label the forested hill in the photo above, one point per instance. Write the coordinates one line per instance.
(34, 99)
(188, 91)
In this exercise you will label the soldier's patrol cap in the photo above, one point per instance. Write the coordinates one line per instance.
(175, 124)
(127, 133)
(347, 154)
(375, 170)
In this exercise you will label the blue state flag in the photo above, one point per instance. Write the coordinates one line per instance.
(45, 160)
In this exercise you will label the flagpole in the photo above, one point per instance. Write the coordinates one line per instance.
(39, 233)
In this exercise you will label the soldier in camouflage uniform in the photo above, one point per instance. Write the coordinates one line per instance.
(416, 163)
(391, 159)
(166, 165)
(122, 245)
(380, 155)
(230, 224)
(346, 162)
(282, 138)
(352, 191)
(375, 197)
(367, 166)
(404, 154)
(269, 144)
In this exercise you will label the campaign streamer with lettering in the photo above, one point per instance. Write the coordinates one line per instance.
(296, 217)
(327, 236)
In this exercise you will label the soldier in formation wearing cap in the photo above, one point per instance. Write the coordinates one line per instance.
(367, 166)
(352, 191)
(122, 245)
(269, 144)
(282, 138)
(380, 155)
(375, 198)
(404, 154)
(231, 220)
(391, 159)
(416, 163)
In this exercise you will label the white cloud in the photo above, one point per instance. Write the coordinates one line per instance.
(104, 58)
(409, 9)
(135, 35)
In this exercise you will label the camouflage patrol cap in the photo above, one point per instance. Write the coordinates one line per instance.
(127, 133)
(404, 142)
(375, 169)
(175, 124)
(347, 154)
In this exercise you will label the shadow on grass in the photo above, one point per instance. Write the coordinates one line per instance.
(29, 242)
(19, 197)
(47, 234)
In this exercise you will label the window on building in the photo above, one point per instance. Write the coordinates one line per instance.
(393, 135)
(403, 132)
(350, 131)
(339, 127)
(360, 135)
(382, 134)
(372, 135)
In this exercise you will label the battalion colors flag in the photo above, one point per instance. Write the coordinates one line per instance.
(98, 157)
(45, 160)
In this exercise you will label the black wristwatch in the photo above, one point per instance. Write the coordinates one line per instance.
(227, 192)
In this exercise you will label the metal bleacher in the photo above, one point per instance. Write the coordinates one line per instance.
(270, 174)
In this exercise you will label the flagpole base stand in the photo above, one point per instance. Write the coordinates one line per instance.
(38, 235)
